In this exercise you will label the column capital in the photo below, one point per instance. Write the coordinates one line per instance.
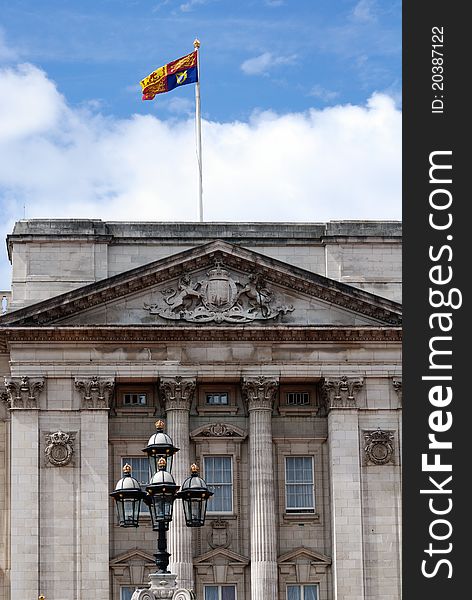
(342, 392)
(177, 392)
(260, 392)
(23, 392)
(397, 386)
(95, 392)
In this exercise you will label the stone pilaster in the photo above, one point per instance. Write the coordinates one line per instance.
(346, 507)
(260, 393)
(96, 394)
(177, 393)
(22, 396)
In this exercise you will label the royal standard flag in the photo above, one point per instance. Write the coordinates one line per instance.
(176, 73)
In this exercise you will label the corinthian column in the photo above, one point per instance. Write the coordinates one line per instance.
(346, 507)
(177, 393)
(22, 397)
(260, 393)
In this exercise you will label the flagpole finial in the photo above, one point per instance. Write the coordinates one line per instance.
(196, 43)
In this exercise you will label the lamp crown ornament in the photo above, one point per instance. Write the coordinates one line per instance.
(127, 469)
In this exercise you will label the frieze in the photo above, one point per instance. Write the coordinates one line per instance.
(194, 333)
(95, 392)
(219, 430)
(59, 448)
(220, 299)
(177, 392)
(260, 392)
(378, 446)
(23, 392)
(341, 392)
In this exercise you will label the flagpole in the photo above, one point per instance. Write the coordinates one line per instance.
(198, 123)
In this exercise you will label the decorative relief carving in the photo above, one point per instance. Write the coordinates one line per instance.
(260, 392)
(59, 448)
(378, 446)
(219, 298)
(143, 594)
(219, 536)
(220, 430)
(23, 392)
(177, 391)
(397, 386)
(342, 392)
(183, 594)
(96, 392)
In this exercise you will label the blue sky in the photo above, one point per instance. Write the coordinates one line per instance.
(308, 88)
(267, 54)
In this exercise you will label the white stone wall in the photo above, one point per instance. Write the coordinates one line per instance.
(52, 257)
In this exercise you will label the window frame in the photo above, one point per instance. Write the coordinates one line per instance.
(135, 410)
(311, 408)
(128, 587)
(302, 589)
(306, 510)
(230, 389)
(211, 485)
(220, 586)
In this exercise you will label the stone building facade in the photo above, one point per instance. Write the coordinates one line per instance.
(273, 353)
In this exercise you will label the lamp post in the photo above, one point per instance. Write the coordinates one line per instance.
(160, 495)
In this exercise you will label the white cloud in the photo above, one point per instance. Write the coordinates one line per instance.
(318, 91)
(364, 11)
(342, 162)
(264, 62)
(191, 4)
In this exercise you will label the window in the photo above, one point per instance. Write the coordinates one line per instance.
(220, 592)
(217, 398)
(140, 471)
(302, 592)
(126, 593)
(219, 478)
(134, 399)
(298, 398)
(299, 484)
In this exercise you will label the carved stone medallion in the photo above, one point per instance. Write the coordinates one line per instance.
(219, 536)
(59, 448)
(218, 298)
(378, 446)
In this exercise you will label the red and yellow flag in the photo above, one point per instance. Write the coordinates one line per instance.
(176, 73)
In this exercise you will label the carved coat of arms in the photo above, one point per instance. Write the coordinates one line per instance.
(219, 298)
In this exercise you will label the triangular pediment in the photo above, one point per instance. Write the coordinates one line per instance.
(221, 553)
(216, 284)
(305, 555)
(134, 555)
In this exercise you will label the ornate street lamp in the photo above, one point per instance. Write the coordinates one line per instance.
(160, 446)
(128, 496)
(160, 495)
(194, 495)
